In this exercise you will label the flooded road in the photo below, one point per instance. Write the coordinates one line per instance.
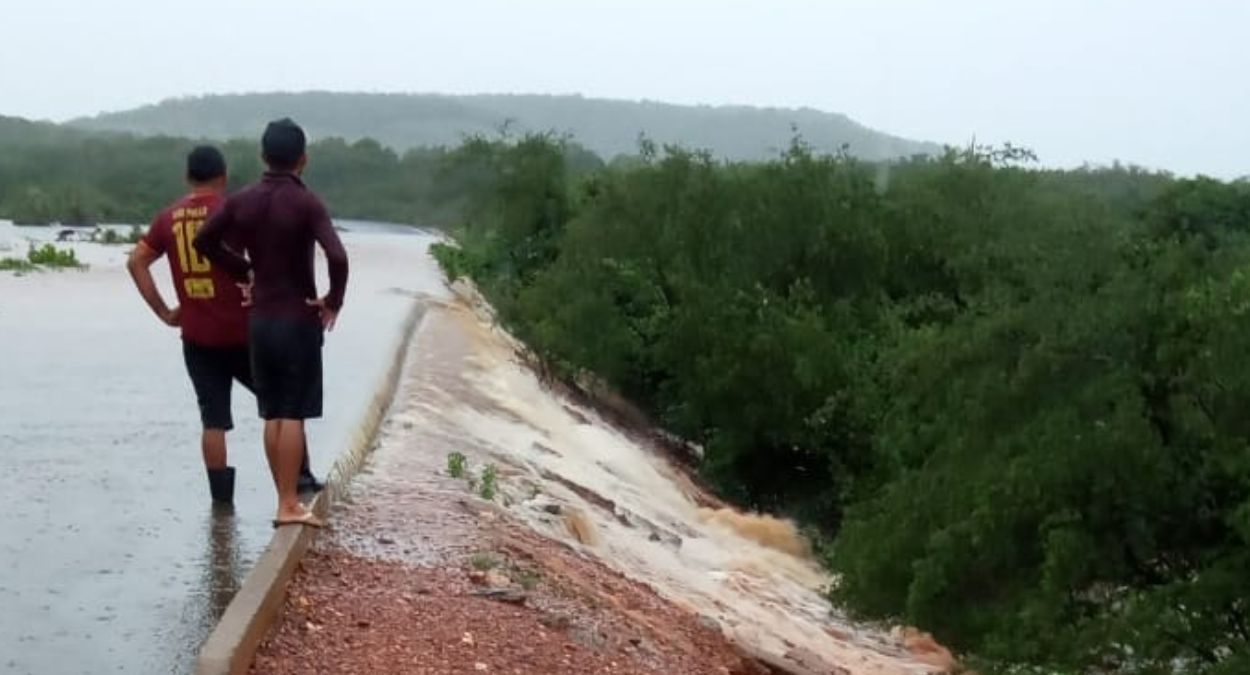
(111, 557)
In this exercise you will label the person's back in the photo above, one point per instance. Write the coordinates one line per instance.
(276, 222)
(209, 313)
(210, 305)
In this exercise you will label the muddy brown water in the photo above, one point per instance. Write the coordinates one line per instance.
(111, 557)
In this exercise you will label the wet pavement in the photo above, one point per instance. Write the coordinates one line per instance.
(112, 558)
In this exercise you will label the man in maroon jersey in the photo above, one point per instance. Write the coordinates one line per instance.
(211, 312)
(277, 221)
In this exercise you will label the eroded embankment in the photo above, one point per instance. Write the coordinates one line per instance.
(594, 554)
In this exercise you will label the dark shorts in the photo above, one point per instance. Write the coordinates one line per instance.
(286, 367)
(213, 371)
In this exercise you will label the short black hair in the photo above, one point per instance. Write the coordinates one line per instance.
(205, 163)
(283, 144)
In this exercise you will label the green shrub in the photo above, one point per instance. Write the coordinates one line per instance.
(489, 483)
(51, 256)
(456, 463)
(15, 265)
(484, 561)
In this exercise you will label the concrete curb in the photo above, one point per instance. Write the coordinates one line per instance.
(232, 645)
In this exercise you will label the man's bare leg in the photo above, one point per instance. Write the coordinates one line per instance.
(272, 428)
(290, 455)
(213, 447)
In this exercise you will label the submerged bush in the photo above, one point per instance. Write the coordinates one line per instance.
(51, 256)
(15, 265)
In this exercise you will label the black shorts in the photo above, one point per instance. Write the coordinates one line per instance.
(286, 367)
(213, 371)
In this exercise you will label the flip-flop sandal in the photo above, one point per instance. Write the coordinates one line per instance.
(310, 519)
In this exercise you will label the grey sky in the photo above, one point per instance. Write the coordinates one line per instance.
(1153, 82)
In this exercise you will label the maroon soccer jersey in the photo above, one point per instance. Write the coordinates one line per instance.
(212, 313)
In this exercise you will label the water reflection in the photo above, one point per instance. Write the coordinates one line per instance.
(224, 571)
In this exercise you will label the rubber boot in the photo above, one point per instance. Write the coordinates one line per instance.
(308, 483)
(221, 485)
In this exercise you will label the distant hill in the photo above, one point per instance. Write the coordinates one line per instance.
(16, 131)
(607, 127)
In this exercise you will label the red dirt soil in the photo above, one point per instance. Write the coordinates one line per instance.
(348, 614)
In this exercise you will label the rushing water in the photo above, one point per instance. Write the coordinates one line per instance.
(571, 476)
(111, 559)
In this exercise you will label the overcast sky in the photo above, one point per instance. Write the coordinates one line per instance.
(1161, 83)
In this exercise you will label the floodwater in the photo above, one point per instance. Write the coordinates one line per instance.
(571, 476)
(111, 557)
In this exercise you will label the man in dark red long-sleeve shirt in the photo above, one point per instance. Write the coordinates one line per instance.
(276, 221)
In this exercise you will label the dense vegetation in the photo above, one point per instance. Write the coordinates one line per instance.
(608, 128)
(1013, 401)
(52, 173)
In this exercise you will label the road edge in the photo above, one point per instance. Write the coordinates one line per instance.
(232, 645)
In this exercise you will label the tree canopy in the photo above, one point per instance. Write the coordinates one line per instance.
(1011, 401)
(54, 173)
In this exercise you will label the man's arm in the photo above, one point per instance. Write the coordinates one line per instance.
(139, 265)
(210, 241)
(336, 262)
